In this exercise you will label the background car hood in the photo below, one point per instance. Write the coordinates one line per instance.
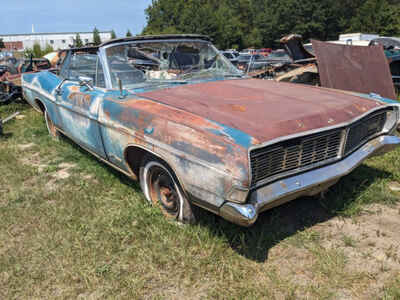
(265, 109)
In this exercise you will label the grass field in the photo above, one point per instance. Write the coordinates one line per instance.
(72, 227)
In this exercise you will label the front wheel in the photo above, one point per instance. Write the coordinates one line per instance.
(161, 188)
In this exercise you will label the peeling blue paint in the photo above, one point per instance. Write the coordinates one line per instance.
(239, 137)
(48, 82)
(149, 130)
(377, 97)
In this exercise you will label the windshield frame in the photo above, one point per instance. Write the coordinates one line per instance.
(107, 70)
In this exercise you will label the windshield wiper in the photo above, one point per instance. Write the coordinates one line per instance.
(168, 81)
(233, 75)
(212, 72)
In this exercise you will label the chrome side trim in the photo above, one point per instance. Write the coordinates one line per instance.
(306, 184)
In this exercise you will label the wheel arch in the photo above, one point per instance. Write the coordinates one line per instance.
(40, 105)
(134, 154)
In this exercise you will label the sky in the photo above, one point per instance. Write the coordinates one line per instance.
(17, 16)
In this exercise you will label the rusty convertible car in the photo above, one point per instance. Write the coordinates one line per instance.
(174, 113)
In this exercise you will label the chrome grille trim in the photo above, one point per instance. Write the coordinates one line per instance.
(362, 130)
(297, 154)
(292, 155)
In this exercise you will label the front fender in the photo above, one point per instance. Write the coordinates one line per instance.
(207, 158)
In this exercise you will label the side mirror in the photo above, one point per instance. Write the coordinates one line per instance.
(58, 88)
(86, 81)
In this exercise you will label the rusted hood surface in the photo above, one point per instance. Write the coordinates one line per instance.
(265, 109)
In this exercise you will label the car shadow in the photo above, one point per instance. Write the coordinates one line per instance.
(282, 222)
(6, 135)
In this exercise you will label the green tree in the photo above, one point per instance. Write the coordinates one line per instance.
(47, 50)
(262, 23)
(28, 52)
(113, 35)
(96, 36)
(377, 16)
(128, 33)
(37, 50)
(2, 46)
(78, 41)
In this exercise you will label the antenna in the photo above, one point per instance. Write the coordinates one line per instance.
(33, 29)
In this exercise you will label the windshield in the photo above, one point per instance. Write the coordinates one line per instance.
(141, 63)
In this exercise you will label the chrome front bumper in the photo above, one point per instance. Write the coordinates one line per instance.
(305, 184)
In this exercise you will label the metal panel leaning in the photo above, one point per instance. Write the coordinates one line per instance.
(174, 113)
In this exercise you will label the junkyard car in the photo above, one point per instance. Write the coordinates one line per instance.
(10, 75)
(250, 62)
(174, 113)
(392, 52)
(231, 56)
(278, 57)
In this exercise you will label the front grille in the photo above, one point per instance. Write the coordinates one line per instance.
(294, 154)
(300, 154)
(363, 130)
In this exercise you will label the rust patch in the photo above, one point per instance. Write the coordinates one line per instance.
(236, 107)
(80, 99)
(272, 109)
(283, 185)
(183, 131)
(74, 89)
(354, 68)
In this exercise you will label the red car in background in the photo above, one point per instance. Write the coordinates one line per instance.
(264, 51)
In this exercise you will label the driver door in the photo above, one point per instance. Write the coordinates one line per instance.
(79, 103)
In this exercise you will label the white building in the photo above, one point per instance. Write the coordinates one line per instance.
(60, 40)
(356, 39)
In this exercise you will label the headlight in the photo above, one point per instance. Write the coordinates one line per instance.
(391, 119)
(238, 195)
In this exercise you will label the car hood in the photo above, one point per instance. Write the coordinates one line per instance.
(263, 109)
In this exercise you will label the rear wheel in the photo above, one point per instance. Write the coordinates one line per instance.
(54, 133)
(162, 189)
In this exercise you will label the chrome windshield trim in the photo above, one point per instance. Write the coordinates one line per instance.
(106, 70)
(184, 40)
